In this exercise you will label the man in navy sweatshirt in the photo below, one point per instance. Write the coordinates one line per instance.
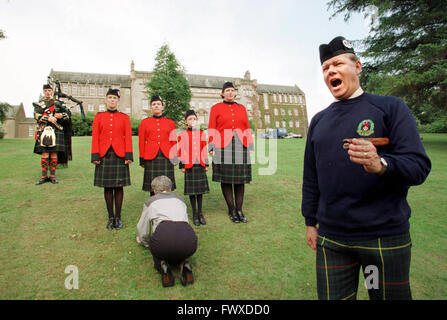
(354, 198)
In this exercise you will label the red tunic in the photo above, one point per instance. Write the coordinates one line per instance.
(111, 129)
(225, 119)
(157, 134)
(192, 148)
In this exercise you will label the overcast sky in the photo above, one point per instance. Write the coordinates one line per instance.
(277, 41)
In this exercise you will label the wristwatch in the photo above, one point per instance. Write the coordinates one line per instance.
(384, 166)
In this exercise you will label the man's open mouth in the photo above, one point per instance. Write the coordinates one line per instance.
(335, 83)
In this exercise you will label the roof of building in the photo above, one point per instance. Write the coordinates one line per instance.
(195, 80)
(12, 112)
(82, 77)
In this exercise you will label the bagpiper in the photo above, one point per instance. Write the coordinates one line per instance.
(51, 115)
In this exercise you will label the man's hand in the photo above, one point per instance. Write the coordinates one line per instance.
(96, 162)
(212, 153)
(365, 153)
(311, 237)
(52, 119)
(128, 161)
(58, 115)
(183, 170)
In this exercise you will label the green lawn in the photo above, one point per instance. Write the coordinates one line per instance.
(45, 228)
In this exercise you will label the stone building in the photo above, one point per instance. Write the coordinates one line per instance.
(17, 125)
(268, 106)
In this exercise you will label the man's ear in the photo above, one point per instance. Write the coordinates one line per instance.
(358, 67)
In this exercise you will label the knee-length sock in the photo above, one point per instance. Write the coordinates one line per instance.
(45, 163)
(192, 199)
(239, 190)
(53, 165)
(199, 198)
(227, 191)
(108, 196)
(119, 196)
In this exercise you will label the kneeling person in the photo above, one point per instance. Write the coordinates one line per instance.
(164, 229)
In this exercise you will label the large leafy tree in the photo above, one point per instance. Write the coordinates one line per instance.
(169, 81)
(405, 53)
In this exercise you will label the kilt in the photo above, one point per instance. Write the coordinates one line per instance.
(159, 166)
(172, 241)
(112, 172)
(232, 164)
(59, 147)
(196, 181)
(338, 264)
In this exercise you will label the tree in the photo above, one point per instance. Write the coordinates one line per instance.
(405, 53)
(169, 81)
(2, 34)
(3, 109)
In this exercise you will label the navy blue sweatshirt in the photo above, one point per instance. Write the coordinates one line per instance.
(339, 196)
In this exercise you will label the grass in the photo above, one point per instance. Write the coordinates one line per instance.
(46, 228)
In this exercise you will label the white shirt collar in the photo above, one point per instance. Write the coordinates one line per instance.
(356, 94)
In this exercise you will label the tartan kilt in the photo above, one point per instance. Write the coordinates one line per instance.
(232, 164)
(159, 166)
(112, 172)
(196, 181)
(59, 147)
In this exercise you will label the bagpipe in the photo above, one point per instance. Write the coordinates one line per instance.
(59, 94)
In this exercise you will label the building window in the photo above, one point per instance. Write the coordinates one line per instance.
(296, 99)
(65, 88)
(145, 104)
(91, 108)
(285, 98)
(297, 124)
(301, 99)
(289, 112)
(277, 124)
(267, 119)
(291, 124)
(266, 101)
(30, 131)
(295, 111)
(280, 98)
(127, 91)
(74, 90)
(102, 107)
(283, 123)
(283, 112)
(84, 91)
(92, 91)
(275, 111)
(274, 98)
(127, 110)
(100, 91)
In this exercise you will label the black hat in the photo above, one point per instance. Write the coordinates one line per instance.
(190, 113)
(227, 85)
(47, 86)
(337, 46)
(156, 97)
(113, 92)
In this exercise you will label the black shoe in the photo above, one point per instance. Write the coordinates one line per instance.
(167, 278)
(118, 223)
(202, 218)
(195, 218)
(41, 181)
(53, 180)
(241, 216)
(233, 215)
(186, 272)
(110, 224)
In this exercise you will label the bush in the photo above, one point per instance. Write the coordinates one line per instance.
(437, 126)
(81, 128)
